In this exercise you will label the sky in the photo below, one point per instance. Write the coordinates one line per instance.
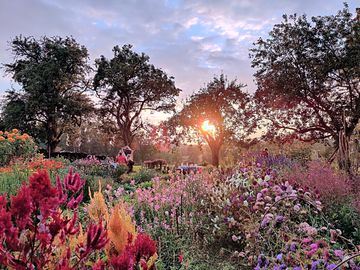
(192, 40)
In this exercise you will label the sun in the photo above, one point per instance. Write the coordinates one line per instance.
(208, 127)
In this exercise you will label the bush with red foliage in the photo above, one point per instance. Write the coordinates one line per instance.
(330, 185)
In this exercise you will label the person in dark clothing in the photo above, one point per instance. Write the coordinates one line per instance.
(129, 154)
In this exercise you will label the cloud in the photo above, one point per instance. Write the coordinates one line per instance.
(191, 40)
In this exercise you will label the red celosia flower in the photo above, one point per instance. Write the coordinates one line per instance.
(21, 207)
(5, 221)
(61, 193)
(73, 182)
(124, 261)
(181, 258)
(70, 227)
(143, 265)
(96, 237)
(12, 239)
(74, 203)
(2, 201)
(145, 247)
(56, 225)
(43, 194)
(99, 265)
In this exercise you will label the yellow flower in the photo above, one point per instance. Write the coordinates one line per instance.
(97, 208)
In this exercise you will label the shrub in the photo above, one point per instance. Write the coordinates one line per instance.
(15, 145)
(345, 217)
(320, 178)
(144, 175)
(119, 171)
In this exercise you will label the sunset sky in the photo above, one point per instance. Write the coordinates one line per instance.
(191, 40)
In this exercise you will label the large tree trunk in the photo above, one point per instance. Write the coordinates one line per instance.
(53, 135)
(127, 138)
(52, 146)
(343, 152)
(215, 154)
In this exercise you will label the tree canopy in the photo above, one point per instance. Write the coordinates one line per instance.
(129, 85)
(223, 108)
(52, 75)
(308, 76)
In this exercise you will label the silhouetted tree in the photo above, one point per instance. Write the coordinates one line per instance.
(51, 73)
(227, 109)
(129, 85)
(308, 76)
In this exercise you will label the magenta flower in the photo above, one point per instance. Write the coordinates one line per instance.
(96, 237)
(73, 182)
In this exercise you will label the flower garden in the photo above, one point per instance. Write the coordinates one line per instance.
(270, 212)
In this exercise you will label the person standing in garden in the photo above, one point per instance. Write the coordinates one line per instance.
(121, 158)
(129, 154)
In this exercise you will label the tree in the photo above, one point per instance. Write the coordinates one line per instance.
(218, 113)
(129, 85)
(51, 73)
(308, 76)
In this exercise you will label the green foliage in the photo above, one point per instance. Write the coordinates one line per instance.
(51, 72)
(346, 217)
(307, 76)
(10, 182)
(119, 171)
(127, 85)
(144, 175)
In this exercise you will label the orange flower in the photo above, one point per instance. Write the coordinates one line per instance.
(1, 133)
(5, 169)
(10, 139)
(120, 227)
(15, 130)
(2, 138)
(26, 136)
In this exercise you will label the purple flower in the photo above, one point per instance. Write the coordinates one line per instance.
(331, 266)
(339, 253)
(279, 257)
(314, 265)
(293, 247)
(279, 219)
